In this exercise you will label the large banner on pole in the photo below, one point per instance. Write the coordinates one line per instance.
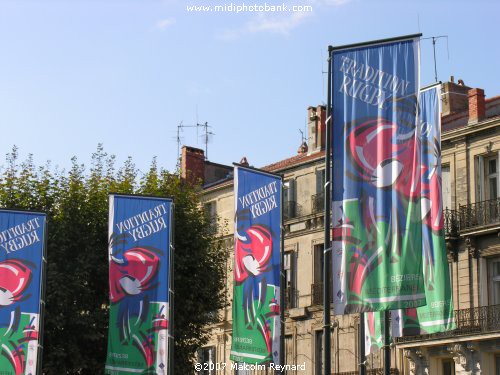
(140, 230)
(437, 315)
(257, 263)
(22, 242)
(377, 231)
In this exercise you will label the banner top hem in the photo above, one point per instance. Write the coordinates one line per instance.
(430, 86)
(145, 196)
(22, 211)
(257, 170)
(375, 42)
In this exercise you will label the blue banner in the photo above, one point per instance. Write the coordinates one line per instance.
(377, 242)
(140, 230)
(437, 315)
(257, 264)
(22, 242)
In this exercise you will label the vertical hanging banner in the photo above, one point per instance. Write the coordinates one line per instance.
(257, 264)
(437, 315)
(374, 331)
(22, 242)
(377, 231)
(140, 230)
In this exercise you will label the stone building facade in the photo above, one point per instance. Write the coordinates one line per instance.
(471, 191)
(470, 158)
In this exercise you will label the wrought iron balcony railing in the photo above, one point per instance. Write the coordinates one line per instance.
(451, 223)
(291, 298)
(479, 214)
(318, 202)
(478, 319)
(317, 294)
(468, 322)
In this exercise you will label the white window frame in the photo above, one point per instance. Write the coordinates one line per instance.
(211, 350)
(483, 178)
(446, 186)
(290, 270)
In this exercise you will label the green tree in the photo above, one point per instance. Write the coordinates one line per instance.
(76, 203)
(199, 261)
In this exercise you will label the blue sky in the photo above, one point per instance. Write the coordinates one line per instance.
(125, 73)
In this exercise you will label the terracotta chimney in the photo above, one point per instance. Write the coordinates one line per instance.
(193, 164)
(477, 108)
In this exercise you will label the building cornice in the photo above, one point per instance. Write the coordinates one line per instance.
(278, 167)
(449, 340)
(471, 129)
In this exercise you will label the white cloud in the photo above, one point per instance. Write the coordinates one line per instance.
(279, 22)
(267, 22)
(166, 23)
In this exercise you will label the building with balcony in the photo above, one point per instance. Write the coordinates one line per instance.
(470, 146)
(470, 158)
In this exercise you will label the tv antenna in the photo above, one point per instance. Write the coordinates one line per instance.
(206, 136)
(179, 140)
(302, 138)
(434, 39)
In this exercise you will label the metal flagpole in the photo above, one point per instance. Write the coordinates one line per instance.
(283, 287)
(327, 250)
(362, 356)
(170, 332)
(41, 328)
(435, 66)
(387, 346)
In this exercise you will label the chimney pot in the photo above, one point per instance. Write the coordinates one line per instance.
(244, 161)
(302, 149)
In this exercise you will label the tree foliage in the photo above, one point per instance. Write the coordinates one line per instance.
(77, 304)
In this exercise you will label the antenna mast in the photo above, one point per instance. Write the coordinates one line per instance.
(434, 38)
(302, 138)
(206, 136)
